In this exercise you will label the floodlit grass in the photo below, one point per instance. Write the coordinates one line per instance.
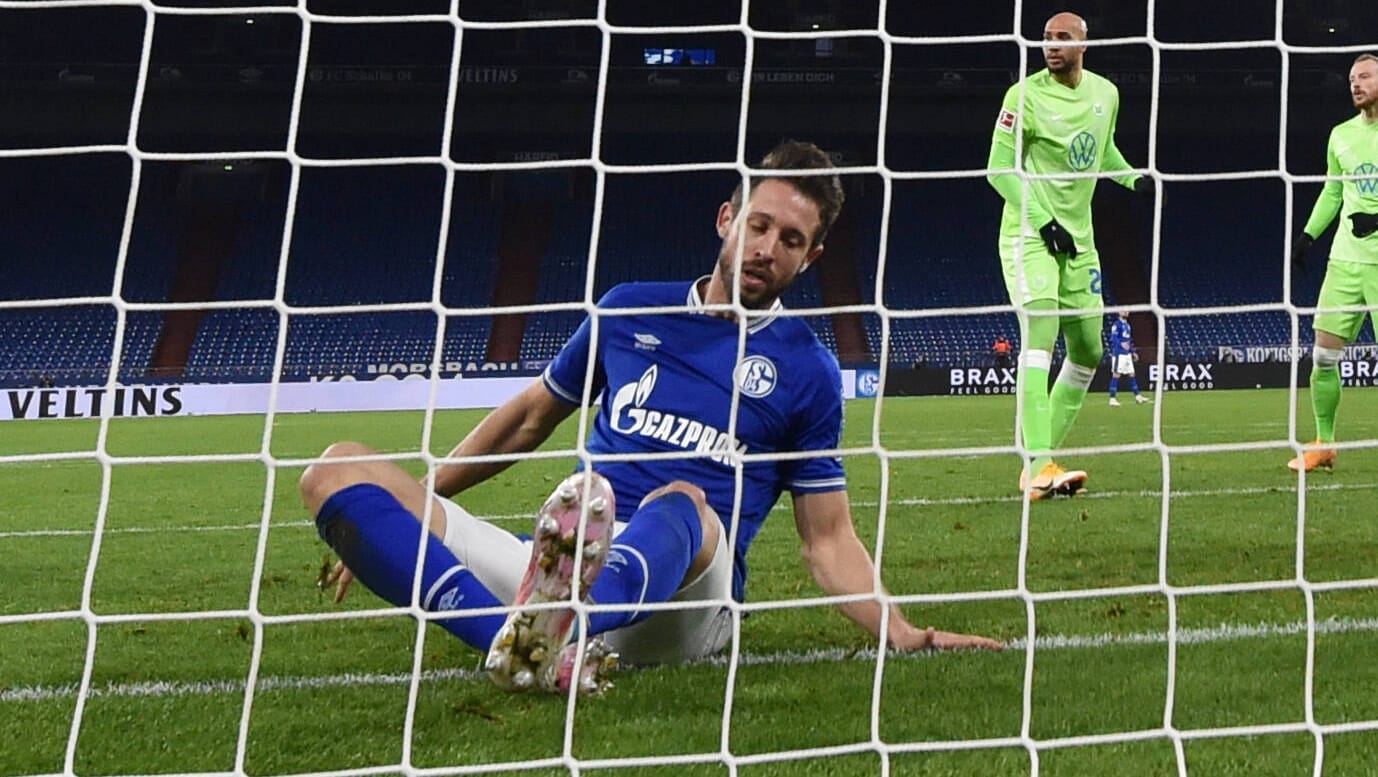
(167, 694)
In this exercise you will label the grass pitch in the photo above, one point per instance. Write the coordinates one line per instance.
(1237, 558)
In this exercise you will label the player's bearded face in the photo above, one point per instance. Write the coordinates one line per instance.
(774, 237)
(1363, 84)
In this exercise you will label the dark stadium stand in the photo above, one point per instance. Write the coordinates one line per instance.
(369, 235)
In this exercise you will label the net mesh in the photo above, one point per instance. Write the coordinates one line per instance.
(126, 310)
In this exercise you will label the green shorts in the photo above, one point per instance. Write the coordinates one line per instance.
(1074, 284)
(1347, 284)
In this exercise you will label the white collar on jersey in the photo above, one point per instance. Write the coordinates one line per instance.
(759, 320)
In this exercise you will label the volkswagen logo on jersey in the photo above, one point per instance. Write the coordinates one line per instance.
(1367, 186)
(757, 376)
(632, 417)
(1081, 153)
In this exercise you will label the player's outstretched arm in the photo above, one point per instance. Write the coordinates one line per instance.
(842, 565)
(518, 425)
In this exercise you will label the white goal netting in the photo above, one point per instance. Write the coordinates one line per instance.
(1201, 610)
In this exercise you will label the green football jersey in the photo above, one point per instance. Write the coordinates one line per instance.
(1352, 150)
(1060, 130)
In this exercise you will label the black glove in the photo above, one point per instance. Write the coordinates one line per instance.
(1144, 186)
(1057, 239)
(1300, 248)
(1365, 224)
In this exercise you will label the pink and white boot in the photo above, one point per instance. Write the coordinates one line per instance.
(532, 649)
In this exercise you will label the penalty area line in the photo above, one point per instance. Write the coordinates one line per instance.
(1143, 493)
(1193, 636)
(955, 501)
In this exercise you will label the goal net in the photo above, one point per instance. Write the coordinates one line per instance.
(236, 232)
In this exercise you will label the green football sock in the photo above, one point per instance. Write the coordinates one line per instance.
(1037, 427)
(1082, 336)
(1069, 392)
(1039, 335)
(1325, 400)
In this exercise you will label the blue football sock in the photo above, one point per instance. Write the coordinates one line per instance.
(376, 537)
(1134, 385)
(648, 560)
(1114, 386)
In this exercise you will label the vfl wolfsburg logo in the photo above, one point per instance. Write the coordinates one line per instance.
(1081, 154)
(1369, 185)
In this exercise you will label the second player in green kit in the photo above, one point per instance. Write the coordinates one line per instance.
(1351, 279)
(1056, 122)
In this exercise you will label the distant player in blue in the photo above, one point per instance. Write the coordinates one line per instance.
(653, 525)
(1122, 358)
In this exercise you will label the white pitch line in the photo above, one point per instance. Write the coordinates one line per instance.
(147, 530)
(1222, 633)
(917, 502)
(1182, 494)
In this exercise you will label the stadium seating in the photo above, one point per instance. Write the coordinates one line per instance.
(370, 235)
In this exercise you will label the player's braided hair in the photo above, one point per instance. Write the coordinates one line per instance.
(825, 191)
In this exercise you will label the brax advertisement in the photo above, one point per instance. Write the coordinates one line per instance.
(1186, 376)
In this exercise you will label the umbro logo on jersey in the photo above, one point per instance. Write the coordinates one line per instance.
(449, 600)
(646, 342)
(615, 558)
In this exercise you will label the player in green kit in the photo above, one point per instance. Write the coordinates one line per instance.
(1059, 120)
(1351, 279)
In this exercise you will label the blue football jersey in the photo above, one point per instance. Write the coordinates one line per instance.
(666, 384)
(1120, 339)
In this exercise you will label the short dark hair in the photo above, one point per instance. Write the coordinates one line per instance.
(825, 191)
(1366, 58)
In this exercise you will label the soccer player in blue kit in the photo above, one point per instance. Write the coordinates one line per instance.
(1122, 358)
(656, 519)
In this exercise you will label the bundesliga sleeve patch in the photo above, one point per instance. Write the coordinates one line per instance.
(1006, 121)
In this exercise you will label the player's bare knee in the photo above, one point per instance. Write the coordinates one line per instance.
(709, 522)
(679, 487)
(712, 527)
(325, 477)
(1326, 339)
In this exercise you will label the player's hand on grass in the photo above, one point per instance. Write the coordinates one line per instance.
(1300, 248)
(932, 639)
(1058, 239)
(947, 640)
(1365, 224)
(340, 577)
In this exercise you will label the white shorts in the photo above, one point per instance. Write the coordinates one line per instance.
(1122, 364)
(499, 559)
